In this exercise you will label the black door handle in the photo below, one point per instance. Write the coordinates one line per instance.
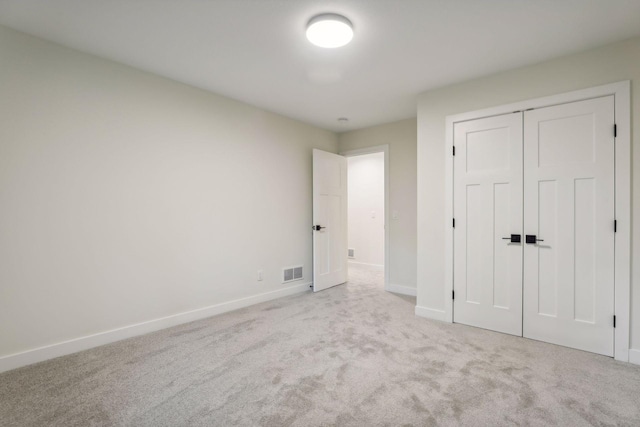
(318, 227)
(515, 238)
(532, 239)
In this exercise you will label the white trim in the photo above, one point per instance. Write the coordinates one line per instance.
(371, 150)
(430, 313)
(377, 267)
(401, 289)
(622, 95)
(448, 231)
(634, 356)
(40, 354)
(622, 283)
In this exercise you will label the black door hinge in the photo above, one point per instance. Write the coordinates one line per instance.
(454, 223)
(615, 225)
(454, 150)
(614, 321)
(453, 295)
(615, 130)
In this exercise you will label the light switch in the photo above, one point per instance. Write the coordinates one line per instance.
(395, 215)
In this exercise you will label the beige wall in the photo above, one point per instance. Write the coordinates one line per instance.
(126, 197)
(608, 64)
(401, 137)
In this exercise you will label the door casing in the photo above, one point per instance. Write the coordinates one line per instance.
(622, 285)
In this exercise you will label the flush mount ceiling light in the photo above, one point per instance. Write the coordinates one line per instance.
(329, 30)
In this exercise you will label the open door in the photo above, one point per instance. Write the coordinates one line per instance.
(329, 220)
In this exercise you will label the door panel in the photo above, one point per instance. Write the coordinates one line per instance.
(501, 279)
(569, 189)
(547, 263)
(330, 213)
(487, 208)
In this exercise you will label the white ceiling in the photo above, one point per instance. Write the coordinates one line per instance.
(255, 50)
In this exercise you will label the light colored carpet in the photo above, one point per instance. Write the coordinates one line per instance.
(353, 355)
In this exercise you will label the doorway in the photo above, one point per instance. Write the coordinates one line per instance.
(367, 195)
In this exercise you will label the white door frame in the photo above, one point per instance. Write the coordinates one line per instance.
(622, 285)
(371, 150)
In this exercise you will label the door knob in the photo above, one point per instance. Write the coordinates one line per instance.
(318, 227)
(532, 239)
(515, 238)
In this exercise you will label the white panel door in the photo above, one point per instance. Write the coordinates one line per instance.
(329, 220)
(569, 207)
(487, 211)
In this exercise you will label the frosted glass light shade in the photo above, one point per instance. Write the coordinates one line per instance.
(329, 30)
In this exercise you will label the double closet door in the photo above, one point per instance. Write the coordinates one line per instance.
(534, 224)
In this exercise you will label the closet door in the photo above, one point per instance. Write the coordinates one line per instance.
(568, 215)
(488, 211)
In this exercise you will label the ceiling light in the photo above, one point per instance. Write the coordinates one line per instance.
(329, 30)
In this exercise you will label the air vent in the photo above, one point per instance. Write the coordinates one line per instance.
(288, 275)
(352, 253)
(291, 274)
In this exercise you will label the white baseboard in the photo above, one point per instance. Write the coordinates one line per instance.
(634, 356)
(40, 354)
(401, 289)
(377, 267)
(430, 313)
